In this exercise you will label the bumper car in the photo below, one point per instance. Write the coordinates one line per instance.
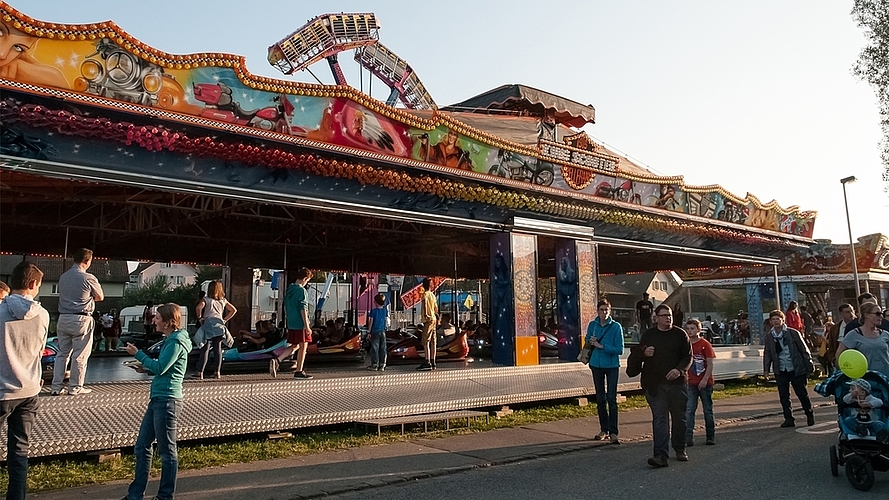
(547, 344)
(243, 359)
(47, 361)
(405, 346)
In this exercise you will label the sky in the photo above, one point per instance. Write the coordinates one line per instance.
(756, 96)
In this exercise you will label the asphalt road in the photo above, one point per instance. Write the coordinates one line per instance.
(751, 460)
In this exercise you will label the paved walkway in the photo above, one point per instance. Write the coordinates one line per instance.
(328, 473)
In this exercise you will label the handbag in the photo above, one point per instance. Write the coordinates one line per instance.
(585, 353)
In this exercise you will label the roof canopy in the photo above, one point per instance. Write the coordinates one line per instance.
(529, 101)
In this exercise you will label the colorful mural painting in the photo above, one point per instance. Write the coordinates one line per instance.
(103, 60)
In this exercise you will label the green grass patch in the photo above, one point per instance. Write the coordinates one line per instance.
(54, 473)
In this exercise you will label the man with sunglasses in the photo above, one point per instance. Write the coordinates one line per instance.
(786, 355)
(663, 357)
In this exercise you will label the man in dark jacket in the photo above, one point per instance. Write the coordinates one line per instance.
(663, 358)
(786, 356)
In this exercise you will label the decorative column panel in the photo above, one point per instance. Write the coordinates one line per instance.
(575, 294)
(788, 293)
(514, 299)
(754, 313)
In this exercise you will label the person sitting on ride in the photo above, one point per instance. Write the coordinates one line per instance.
(445, 331)
(265, 336)
(862, 423)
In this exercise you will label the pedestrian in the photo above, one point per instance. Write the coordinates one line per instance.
(112, 330)
(700, 384)
(24, 326)
(865, 298)
(78, 293)
(215, 312)
(793, 318)
(429, 315)
(644, 310)
(607, 338)
(4, 291)
(299, 331)
(869, 339)
(836, 333)
(148, 321)
(663, 357)
(786, 355)
(678, 315)
(160, 422)
(377, 319)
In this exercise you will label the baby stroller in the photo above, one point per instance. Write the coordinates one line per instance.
(863, 440)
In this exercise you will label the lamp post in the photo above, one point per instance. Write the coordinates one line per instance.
(844, 181)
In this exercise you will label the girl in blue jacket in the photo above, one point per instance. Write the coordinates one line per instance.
(607, 338)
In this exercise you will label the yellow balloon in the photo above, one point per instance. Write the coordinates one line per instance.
(852, 363)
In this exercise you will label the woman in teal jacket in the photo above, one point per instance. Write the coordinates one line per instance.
(607, 338)
(164, 404)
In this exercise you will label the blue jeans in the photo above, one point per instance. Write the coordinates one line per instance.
(216, 344)
(606, 397)
(158, 423)
(706, 397)
(378, 348)
(19, 415)
(668, 402)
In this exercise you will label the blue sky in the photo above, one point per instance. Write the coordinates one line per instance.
(756, 96)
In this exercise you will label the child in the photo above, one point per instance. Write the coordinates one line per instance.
(700, 383)
(862, 422)
(377, 319)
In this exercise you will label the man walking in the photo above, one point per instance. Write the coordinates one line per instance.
(24, 324)
(78, 293)
(429, 315)
(663, 357)
(299, 331)
(700, 383)
(835, 333)
(786, 356)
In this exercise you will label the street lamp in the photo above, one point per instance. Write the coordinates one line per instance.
(844, 181)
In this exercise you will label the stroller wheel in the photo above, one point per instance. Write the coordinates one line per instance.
(834, 461)
(860, 473)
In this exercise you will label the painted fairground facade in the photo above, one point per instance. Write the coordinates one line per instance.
(103, 60)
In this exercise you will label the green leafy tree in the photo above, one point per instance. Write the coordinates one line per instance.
(873, 62)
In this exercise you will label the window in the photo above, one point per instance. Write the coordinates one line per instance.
(180, 280)
(55, 289)
(166, 264)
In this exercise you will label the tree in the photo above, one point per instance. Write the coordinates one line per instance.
(873, 62)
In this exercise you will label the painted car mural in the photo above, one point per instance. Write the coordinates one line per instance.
(102, 60)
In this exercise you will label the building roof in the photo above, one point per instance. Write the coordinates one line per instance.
(107, 271)
(530, 101)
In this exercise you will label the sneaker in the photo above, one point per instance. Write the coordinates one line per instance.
(302, 375)
(273, 367)
(60, 391)
(810, 419)
(199, 376)
(373, 368)
(600, 436)
(711, 441)
(658, 461)
(79, 390)
(681, 455)
(788, 423)
(433, 365)
(381, 368)
(424, 366)
(615, 439)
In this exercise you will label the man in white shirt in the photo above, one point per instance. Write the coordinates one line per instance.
(838, 331)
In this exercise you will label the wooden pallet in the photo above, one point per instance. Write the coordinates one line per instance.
(423, 418)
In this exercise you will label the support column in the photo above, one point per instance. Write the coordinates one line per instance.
(788, 293)
(754, 313)
(240, 292)
(514, 299)
(575, 292)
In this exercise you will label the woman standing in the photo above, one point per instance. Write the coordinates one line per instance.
(164, 404)
(793, 318)
(112, 332)
(868, 338)
(607, 338)
(215, 312)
